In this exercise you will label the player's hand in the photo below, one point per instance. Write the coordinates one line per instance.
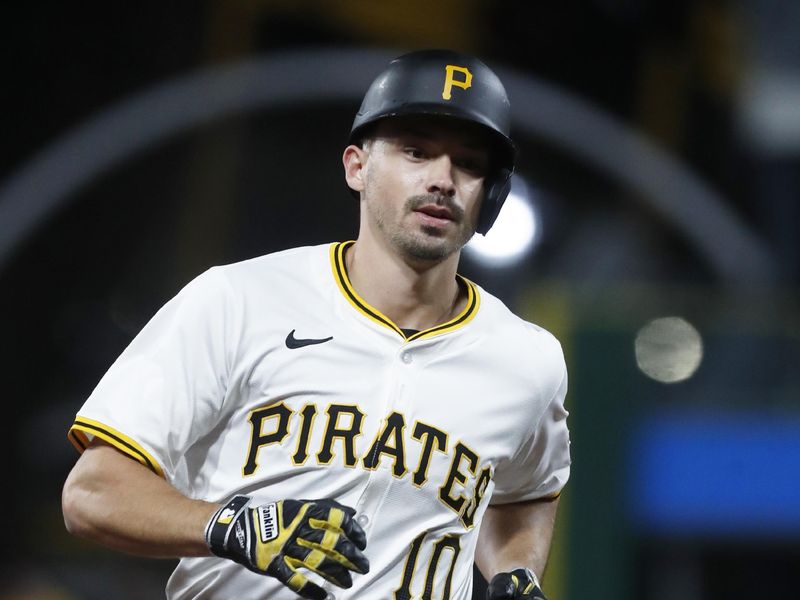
(519, 584)
(279, 538)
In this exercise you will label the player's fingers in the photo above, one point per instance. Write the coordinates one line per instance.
(354, 532)
(335, 546)
(338, 518)
(335, 541)
(329, 510)
(324, 566)
(355, 557)
(502, 587)
(284, 569)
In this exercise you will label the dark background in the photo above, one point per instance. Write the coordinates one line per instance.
(714, 84)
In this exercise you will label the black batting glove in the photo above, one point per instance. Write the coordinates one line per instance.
(279, 538)
(519, 584)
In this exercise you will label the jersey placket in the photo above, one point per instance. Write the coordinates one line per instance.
(378, 481)
(380, 478)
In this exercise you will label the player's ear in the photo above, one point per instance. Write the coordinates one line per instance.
(354, 160)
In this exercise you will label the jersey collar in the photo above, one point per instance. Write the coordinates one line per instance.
(343, 281)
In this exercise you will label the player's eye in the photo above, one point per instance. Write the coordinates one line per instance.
(414, 152)
(472, 165)
(467, 164)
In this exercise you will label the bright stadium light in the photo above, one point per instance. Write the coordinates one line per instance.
(514, 232)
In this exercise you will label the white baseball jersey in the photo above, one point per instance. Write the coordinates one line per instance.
(273, 378)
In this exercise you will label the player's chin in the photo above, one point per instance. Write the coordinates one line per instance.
(455, 235)
(433, 247)
(435, 231)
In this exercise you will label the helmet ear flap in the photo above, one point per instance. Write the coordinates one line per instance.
(498, 187)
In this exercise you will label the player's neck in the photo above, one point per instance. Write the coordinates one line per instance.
(413, 297)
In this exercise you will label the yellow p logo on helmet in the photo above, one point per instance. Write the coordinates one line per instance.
(450, 80)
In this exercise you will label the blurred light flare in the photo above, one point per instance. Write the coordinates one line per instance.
(668, 349)
(514, 232)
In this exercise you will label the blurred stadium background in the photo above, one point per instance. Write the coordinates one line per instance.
(660, 164)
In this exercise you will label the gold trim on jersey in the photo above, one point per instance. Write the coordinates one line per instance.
(343, 281)
(82, 426)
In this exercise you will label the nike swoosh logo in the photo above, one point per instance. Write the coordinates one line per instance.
(293, 343)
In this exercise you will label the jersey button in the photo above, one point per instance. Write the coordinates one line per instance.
(407, 357)
(362, 520)
(330, 596)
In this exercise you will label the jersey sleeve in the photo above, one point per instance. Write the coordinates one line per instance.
(540, 468)
(167, 388)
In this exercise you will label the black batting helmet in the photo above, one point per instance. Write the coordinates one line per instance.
(448, 84)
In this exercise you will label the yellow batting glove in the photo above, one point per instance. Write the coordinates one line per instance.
(519, 584)
(280, 538)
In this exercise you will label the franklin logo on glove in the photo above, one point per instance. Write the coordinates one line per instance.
(268, 522)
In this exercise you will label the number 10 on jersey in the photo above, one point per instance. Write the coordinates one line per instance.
(445, 545)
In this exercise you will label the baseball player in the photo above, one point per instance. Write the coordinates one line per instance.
(350, 420)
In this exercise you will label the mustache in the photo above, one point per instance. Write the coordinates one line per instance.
(416, 202)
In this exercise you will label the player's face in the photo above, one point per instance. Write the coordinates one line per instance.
(423, 185)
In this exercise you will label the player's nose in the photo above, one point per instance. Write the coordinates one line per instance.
(440, 176)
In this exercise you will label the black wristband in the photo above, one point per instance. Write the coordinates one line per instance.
(218, 529)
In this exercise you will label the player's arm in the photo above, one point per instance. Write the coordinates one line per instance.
(115, 501)
(515, 536)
